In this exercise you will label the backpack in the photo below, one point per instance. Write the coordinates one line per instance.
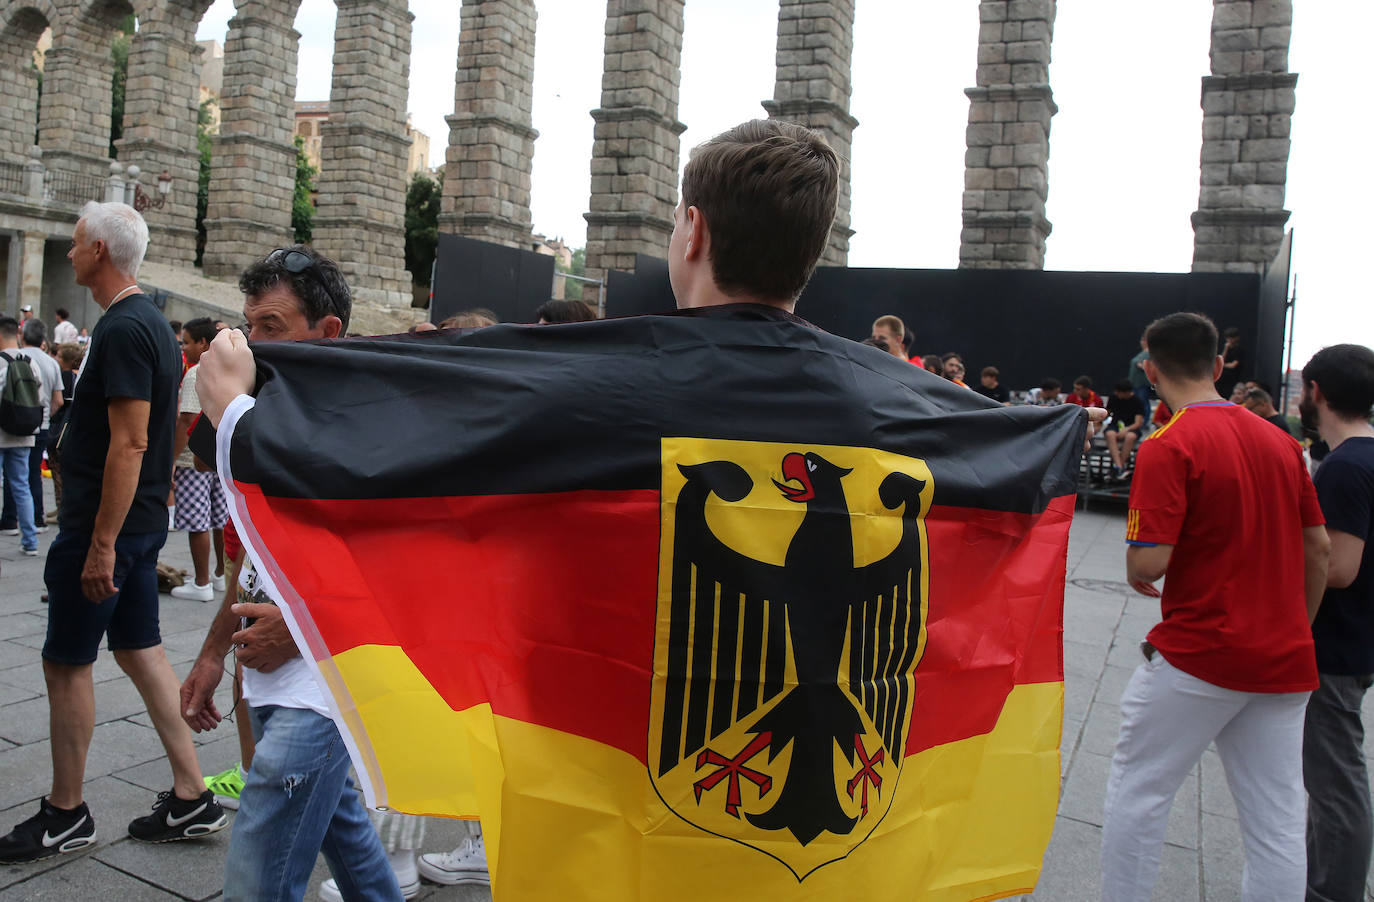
(21, 409)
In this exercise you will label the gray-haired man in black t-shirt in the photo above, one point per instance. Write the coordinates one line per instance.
(1337, 397)
(101, 574)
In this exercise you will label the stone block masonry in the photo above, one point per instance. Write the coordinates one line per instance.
(161, 107)
(19, 83)
(360, 220)
(636, 139)
(1006, 177)
(815, 46)
(491, 138)
(253, 164)
(1247, 107)
(74, 116)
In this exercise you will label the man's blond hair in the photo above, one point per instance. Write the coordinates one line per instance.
(892, 323)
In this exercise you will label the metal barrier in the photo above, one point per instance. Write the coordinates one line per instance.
(71, 187)
(11, 178)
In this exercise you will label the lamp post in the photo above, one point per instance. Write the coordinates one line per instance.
(143, 201)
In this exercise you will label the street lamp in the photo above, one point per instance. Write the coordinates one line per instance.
(143, 201)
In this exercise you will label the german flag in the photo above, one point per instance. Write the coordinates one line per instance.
(685, 607)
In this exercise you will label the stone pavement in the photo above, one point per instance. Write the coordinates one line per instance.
(1104, 623)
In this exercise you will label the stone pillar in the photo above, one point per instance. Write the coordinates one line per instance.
(491, 140)
(360, 221)
(815, 44)
(19, 83)
(31, 270)
(1005, 165)
(636, 137)
(74, 115)
(253, 166)
(1247, 104)
(161, 107)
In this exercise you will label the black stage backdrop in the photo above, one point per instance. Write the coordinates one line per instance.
(1029, 324)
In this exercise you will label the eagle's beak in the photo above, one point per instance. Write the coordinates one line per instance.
(794, 470)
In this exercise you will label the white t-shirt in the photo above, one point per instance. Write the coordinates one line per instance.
(64, 333)
(293, 684)
(188, 403)
(49, 379)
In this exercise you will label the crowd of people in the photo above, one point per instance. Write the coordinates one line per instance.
(1259, 562)
(1133, 408)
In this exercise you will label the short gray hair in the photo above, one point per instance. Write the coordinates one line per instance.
(122, 229)
(34, 332)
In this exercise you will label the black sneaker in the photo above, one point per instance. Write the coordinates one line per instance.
(174, 819)
(49, 832)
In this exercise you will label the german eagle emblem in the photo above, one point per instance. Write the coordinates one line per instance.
(791, 620)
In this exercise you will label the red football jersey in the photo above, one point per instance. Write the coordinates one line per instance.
(1093, 399)
(1232, 498)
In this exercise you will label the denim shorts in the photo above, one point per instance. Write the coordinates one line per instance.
(129, 617)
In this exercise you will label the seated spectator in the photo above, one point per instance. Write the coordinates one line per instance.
(879, 343)
(1238, 393)
(892, 331)
(1162, 414)
(551, 312)
(1125, 423)
(1083, 394)
(952, 368)
(1259, 402)
(1047, 395)
(933, 364)
(991, 387)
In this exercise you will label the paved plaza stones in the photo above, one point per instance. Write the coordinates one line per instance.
(1103, 624)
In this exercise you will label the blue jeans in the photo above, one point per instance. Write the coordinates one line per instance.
(8, 514)
(15, 462)
(297, 802)
(1145, 394)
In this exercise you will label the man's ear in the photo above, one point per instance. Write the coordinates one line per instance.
(698, 235)
(1151, 372)
(331, 326)
(1218, 366)
(1316, 394)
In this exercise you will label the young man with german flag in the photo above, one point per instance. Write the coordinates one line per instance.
(707, 605)
(1222, 503)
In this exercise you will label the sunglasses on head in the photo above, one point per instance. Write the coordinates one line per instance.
(297, 262)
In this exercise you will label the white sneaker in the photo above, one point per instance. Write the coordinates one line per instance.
(192, 592)
(329, 890)
(465, 865)
(9, 532)
(217, 582)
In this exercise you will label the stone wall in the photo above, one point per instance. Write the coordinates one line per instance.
(253, 167)
(19, 33)
(360, 221)
(161, 107)
(1006, 164)
(636, 136)
(74, 117)
(491, 137)
(815, 45)
(1247, 105)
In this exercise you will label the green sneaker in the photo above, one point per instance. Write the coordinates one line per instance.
(226, 787)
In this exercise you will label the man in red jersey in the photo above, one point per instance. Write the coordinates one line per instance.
(1221, 501)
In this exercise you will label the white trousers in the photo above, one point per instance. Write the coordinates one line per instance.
(1168, 718)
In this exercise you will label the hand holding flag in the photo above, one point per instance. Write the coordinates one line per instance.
(226, 371)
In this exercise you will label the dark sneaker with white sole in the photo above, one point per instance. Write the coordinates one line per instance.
(175, 818)
(50, 832)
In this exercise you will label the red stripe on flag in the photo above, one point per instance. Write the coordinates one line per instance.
(474, 589)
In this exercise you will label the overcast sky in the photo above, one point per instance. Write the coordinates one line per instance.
(1123, 172)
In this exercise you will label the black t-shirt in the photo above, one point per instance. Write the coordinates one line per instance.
(1121, 412)
(1280, 421)
(1344, 628)
(999, 393)
(1229, 377)
(132, 354)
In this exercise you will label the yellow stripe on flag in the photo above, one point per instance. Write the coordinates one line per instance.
(568, 818)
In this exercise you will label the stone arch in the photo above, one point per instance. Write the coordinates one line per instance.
(19, 34)
(161, 109)
(74, 117)
(254, 159)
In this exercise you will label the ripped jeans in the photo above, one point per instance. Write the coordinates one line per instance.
(298, 802)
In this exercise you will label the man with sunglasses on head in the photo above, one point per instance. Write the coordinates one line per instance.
(297, 799)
